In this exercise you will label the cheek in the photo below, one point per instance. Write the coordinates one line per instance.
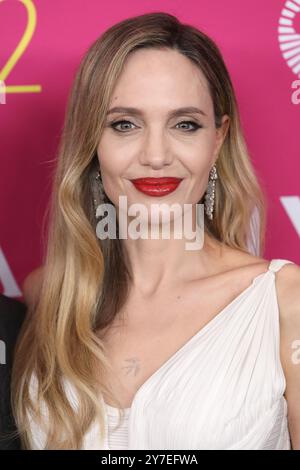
(113, 157)
(109, 161)
(201, 154)
(199, 165)
(202, 157)
(200, 162)
(112, 167)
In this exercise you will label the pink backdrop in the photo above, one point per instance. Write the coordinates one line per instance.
(264, 62)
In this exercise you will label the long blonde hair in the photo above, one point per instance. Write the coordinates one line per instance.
(86, 280)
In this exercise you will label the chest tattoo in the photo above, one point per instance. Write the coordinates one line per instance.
(132, 367)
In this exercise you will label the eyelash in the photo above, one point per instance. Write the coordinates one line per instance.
(113, 124)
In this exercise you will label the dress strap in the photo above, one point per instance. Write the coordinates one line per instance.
(276, 264)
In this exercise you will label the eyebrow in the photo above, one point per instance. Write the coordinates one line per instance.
(173, 112)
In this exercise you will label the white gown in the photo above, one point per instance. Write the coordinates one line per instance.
(223, 389)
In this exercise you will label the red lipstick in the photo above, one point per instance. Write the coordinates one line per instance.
(156, 186)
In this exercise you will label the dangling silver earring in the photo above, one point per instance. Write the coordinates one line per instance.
(100, 183)
(210, 192)
(97, 190)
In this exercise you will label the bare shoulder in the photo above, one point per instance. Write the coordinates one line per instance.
(236, 259)
(288, 291)
(288, 295)
(31, 285)
(287, 285)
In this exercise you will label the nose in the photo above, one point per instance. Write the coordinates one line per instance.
(155, 151)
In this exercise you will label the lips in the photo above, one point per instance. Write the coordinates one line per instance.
(156, 186)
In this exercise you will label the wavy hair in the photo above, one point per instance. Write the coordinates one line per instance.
(86, 280)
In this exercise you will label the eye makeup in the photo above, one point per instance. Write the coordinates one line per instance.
(114, 124)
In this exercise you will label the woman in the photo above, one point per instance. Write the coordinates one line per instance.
(184, 342)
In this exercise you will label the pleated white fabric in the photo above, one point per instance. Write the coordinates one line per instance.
(223, 389)
(117, 435)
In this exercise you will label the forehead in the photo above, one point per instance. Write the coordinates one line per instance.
(164, 78)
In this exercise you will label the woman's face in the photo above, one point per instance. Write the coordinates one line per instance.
(153, 141)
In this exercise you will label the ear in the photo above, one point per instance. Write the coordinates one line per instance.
(221, 134)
